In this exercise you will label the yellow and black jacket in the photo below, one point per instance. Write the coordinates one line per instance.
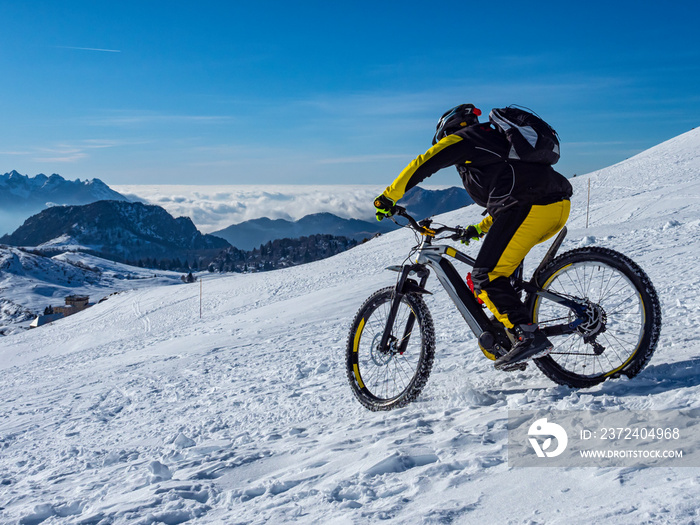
(479, 152)
(527, 204)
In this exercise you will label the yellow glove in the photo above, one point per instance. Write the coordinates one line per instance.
(384, 206)
(472, 233)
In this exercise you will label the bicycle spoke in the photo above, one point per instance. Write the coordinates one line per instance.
(386, 373)
(608, 290)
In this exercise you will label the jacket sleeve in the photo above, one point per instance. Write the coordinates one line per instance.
(485, 224)
(445, 153)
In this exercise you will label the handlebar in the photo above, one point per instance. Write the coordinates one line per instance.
(423, 227)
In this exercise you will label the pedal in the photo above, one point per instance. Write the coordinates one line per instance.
(515, 367)
(522, 365)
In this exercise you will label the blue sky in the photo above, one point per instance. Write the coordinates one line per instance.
(312, 92)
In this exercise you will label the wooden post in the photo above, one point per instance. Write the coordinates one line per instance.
(200, 296)
(588, 206)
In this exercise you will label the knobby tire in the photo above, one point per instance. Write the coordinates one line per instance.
(583, 368)
(371, 372)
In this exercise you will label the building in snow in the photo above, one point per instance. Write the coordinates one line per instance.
(74, 304)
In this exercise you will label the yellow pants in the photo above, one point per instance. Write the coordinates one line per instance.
(512, 235)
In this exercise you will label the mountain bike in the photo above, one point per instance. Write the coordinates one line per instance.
(598, 308)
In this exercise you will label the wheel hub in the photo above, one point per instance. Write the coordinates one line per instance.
(593, 325)
(381, 357)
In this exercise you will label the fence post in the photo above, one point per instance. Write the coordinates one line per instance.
(588, 205)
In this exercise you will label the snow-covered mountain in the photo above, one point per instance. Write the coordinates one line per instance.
(19, 190)
(148, 409)
(22, 196)
(116, 230)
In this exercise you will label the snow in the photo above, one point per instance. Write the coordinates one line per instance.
(139, 411)
(35, 282)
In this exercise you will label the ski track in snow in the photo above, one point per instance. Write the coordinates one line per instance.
(138, 411)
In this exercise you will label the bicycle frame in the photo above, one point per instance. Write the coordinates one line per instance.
(597, 308)
(433, 257)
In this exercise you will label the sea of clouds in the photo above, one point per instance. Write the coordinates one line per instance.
(212, 208)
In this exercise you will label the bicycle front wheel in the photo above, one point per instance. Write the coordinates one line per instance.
(622, 323)
(383, 379)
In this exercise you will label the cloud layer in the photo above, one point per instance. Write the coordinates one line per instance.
(213, 208)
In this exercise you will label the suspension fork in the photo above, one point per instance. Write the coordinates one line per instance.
(403, 286)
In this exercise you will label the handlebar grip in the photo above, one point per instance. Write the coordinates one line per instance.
(400, 210)
(423, 228)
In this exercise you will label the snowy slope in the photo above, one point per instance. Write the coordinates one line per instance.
(138, 411)
(35, 282)
(656, 186)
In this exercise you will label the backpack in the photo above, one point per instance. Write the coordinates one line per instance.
(531, 138)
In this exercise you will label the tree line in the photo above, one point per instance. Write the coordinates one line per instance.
(280, 253)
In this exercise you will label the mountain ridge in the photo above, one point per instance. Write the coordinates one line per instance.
(22, 196)
(252, 233)
(20, 191)
(418, 201)
(116, 230)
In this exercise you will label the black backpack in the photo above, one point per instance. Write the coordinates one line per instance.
(530, 137)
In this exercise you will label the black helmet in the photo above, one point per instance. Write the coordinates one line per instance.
(456, 119)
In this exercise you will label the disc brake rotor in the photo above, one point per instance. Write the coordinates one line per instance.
(594, 324)
(381, 357)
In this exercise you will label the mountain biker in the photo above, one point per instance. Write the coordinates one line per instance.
(526, 203)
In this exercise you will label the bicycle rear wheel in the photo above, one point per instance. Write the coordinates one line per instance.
(623, 318)
(391, 378)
